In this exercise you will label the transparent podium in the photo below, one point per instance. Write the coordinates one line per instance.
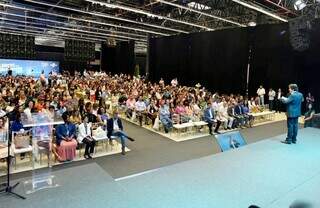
(41, 127)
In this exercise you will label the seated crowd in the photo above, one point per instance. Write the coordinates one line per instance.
(84, 102)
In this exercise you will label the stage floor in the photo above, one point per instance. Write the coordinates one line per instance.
(267, 173)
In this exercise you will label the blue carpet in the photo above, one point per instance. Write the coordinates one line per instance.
(266, 173)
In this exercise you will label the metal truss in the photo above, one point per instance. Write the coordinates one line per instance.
(98, 20)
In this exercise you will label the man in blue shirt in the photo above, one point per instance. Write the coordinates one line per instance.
(293, 103)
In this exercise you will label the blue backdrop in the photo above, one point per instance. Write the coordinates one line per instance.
(28, 67)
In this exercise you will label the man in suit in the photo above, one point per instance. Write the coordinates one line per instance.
(293, 103)
(115, 128)
(238, 110)
(209, 117)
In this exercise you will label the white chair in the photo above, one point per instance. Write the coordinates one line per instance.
(26, 149)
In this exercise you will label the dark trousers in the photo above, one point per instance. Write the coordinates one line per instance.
(278, 105)
(210, 124)
(292, 124)
(271, 105)
(141, 116)
(90, 144)
(152, 117)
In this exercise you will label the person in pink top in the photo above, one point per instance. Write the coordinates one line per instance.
(180, 109)
(130, 104)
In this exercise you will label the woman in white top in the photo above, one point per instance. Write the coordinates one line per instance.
(28, 110)
(85, 136)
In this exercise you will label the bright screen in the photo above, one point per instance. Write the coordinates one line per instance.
(28, 67)
(231, 140)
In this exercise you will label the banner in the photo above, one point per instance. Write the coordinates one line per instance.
(28, 67)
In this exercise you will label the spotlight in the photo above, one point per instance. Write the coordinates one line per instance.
(299, 5)
(252, 24)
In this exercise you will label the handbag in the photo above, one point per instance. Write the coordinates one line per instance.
(156, 123)
(21, 140)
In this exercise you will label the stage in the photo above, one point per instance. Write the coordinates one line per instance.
(267, 173)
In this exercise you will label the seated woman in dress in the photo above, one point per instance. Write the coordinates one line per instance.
(308, 116)
(66, 139)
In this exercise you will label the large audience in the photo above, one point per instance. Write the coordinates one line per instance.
(93, 96)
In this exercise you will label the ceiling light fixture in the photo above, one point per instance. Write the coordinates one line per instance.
(202, 13)
(70, 24)
(299, 5)
(84, 20)
(106, 16)
(259, 9)
(139, 11)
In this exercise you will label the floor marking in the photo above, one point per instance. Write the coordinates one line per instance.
(136, 175)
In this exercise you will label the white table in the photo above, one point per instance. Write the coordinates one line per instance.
(263, 116)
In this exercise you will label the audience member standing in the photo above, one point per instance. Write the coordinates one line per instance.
(309, 100)
(261, 92)
(271, 95)
(278, 101)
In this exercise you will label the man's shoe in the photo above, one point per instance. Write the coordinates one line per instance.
(295, 142)
(217, 132)
(131, 139)
(285, 142)
(123, 152)
(210, 133)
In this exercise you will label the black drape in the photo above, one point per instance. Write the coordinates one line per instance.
(118, 59)
(217, 60)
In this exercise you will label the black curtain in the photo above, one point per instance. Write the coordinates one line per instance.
(276, 64)
(141, 61)
(273, 58)
(218, 60)
(118, 59)
(108, 56)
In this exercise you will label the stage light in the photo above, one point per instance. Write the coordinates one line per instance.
(299, 5)
(252, 24)
(259, 9)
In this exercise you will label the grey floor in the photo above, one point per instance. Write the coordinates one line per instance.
(267, 173)
(151, 150)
